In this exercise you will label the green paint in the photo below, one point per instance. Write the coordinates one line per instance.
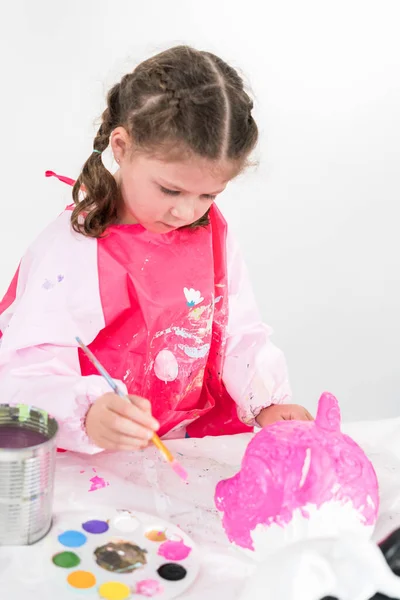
(24, 412)
(67, 560)
(45, 418)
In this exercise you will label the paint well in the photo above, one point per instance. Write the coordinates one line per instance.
(120, 557)
(156, 535)
(114, 590)
(81, 580)
(126, 523)
(72, 538)
(95, 526)
(172, 572)
(149, 588)
(66, 560)
(172, 550)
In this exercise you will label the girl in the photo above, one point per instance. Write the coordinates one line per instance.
(142, 268)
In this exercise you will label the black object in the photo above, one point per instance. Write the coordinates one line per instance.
(172, 572)
(375, 597)
(382, 597)
(390, 548)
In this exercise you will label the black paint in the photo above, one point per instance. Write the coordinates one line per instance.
(172, 572)
(390, 548)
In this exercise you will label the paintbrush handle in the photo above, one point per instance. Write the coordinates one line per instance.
(158, 443)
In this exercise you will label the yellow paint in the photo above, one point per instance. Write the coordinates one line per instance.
(82, 580)
(113, 590)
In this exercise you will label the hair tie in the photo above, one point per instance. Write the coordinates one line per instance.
(97, 152)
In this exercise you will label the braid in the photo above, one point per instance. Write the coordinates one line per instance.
(99, 206)
(180, 103)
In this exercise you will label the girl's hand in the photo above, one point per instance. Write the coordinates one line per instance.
(283, 412)
(113, 423)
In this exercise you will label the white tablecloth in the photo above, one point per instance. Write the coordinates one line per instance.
(142, 481)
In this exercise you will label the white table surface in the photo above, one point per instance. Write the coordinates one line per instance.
(143, 482)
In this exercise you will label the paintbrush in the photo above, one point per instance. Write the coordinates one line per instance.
(177, 467)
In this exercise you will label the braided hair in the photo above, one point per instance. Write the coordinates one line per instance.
(183, 102)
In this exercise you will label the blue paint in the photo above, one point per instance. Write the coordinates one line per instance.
(72, 539)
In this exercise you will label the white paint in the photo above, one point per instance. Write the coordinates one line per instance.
(194, 352)
(166, 366)
(193, 297)
(126, 523)
(318, 220)
(306, 467)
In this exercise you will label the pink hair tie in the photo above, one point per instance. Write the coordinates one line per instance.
(67, 180)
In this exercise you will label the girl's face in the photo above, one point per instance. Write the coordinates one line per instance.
(163, 196)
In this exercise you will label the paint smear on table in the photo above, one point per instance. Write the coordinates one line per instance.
(97, 483)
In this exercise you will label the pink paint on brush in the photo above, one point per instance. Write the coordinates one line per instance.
(172, 550)
(179, 470)
(97, 483)
(294, 464)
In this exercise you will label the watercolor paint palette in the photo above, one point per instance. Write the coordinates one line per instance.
(117, 555)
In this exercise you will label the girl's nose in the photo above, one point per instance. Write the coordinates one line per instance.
(184, 211)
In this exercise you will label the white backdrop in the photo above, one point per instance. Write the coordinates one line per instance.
(318, 220)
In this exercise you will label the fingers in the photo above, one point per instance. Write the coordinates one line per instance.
(110, 440)
(141, 403)
(139, 412)
(309, 415)
(123, 426)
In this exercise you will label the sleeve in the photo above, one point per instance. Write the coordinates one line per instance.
(56, 299)
(255, 372)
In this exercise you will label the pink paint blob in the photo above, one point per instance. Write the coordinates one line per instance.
(97, 483)
(172, 550)
(149, 588)
(292, 465)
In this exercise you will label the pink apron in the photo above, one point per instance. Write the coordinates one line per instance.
(165, 305)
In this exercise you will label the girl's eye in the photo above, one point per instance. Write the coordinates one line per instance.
(176, 193)
(169, 192)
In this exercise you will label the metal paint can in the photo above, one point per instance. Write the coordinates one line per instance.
(27, 464)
